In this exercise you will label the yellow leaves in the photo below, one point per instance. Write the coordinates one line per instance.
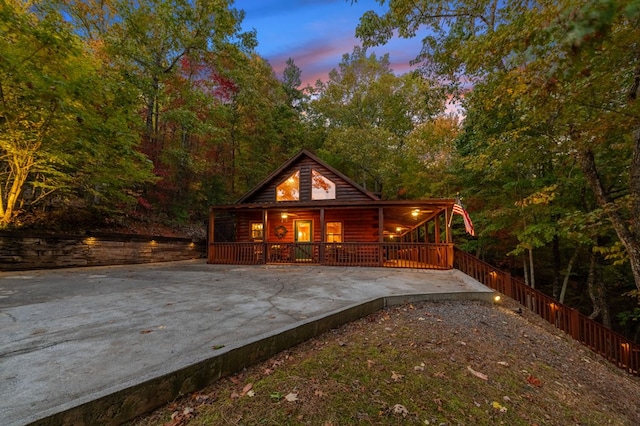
(542, 197)
(498, 407)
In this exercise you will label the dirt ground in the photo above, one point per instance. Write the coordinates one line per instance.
(432, 363)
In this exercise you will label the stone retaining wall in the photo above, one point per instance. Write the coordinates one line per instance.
(20, 251)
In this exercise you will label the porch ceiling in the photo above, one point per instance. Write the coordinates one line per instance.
(397, 213)
(402, 217)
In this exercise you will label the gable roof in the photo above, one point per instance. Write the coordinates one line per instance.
(292, 162)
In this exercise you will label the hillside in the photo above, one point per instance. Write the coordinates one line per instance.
(447, 363)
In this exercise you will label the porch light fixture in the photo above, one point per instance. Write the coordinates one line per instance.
(415, 213)
(398, 230)
(284, 215)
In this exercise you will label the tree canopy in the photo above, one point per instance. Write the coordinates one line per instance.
(123, 109)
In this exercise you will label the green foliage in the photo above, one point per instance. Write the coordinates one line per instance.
(65, 126)
(368, 114)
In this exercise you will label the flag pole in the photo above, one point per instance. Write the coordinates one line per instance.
(456, 201)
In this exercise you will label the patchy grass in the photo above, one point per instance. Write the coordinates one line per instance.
(459, 363)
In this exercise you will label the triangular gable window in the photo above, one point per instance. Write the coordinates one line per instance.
(321, 187)
(289, 190)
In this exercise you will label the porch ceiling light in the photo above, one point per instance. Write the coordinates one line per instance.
(415, 213)
(284, 215)
(398, 230)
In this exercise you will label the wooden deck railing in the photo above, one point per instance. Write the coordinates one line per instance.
(616, 348)
(398, 255)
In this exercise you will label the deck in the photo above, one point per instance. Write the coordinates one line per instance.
(393, 255)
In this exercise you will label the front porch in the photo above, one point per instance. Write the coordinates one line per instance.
(386, 254)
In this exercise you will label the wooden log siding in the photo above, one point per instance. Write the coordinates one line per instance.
(344, 190)
(616, 348)
(358, 225)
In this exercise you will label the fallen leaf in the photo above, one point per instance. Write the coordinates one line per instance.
(291, 397)
(267, 371)
(418, 368)
(503, 363)
(400, 409)
(251, 393)
(216, 347)
(534, 381)
(440, 375)
(497, 406)
(246, 388)
(146, 331)
(370, 363)
(477, 373)
(396, 377)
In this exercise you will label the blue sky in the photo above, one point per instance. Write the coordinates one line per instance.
(315, 33)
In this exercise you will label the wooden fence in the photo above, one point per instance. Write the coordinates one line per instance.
(614, 347)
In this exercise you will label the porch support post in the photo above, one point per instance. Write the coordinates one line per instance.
(211, 233)
(322, 237)
(265, 217)
(380, 236)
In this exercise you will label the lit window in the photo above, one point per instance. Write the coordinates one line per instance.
(289, 190)
(334, 232)
(256, 231)
(321, 187)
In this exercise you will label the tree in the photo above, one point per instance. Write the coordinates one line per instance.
(369, 113)
(563, 74)
(64, 123)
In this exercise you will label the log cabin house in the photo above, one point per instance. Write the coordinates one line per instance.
(307, 212)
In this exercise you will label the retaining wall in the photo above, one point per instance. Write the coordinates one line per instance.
(21, 251)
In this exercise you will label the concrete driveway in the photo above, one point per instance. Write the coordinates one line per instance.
(72, 336)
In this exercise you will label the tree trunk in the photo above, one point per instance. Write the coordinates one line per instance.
(556, 267)
(525, 270)
(565, 282)
(597, 294)
(533, 279)
(628, 233)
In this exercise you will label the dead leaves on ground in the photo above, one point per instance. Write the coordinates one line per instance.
(386, 364)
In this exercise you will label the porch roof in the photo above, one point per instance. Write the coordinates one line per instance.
(396, 213)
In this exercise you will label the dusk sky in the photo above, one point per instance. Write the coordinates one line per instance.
(315, 33)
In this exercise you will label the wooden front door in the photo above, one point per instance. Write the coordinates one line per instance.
(303, 236)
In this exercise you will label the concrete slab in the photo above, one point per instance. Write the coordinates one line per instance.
(72, 336)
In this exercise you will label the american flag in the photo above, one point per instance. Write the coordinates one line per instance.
(468, 225)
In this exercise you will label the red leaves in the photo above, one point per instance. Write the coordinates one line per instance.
(534, 381)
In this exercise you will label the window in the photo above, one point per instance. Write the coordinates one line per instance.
(289, 190)
(256, 231)
(334, 232)
(321, 187)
